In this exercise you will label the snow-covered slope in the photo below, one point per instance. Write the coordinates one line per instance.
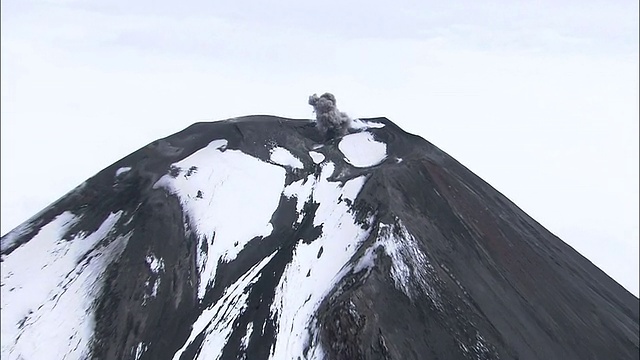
(256, 238)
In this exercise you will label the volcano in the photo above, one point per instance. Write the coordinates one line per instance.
(262, 238)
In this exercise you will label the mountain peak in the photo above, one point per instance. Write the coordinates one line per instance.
(262, 237)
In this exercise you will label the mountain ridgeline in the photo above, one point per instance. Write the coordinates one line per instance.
(269, 238)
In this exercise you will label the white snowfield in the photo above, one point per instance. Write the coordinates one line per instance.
(52, 318)
(362, 150)
(228, 199)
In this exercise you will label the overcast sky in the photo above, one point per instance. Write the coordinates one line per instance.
(540, 99)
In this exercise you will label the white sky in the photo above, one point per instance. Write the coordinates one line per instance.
(540, 99)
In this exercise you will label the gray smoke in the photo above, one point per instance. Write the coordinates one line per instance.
(329, 120)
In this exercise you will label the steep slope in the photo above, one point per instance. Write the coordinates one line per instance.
(258, 238)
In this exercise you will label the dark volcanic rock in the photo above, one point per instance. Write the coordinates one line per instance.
(255, 238)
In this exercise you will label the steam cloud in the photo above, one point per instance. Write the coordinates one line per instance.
(329, 120)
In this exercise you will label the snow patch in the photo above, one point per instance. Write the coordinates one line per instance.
(326, 193)
(301, 190)
(362, 150)
(284, 157)
(155, 265)
(316, 157)
(154, 289)
(139, 350)
(122, 170)
(245, 339)
(358, 124)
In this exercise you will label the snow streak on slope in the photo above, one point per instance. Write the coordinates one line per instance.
(411, 271)
(317, 266)
(301, 190)
(52, 318)
(156, 266)
(229, 198)
(217, 321)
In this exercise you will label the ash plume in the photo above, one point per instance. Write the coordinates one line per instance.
(329, 120)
